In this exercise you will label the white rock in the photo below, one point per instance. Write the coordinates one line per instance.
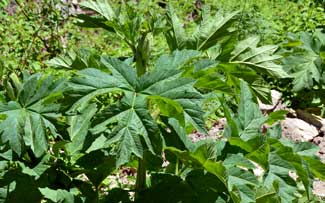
(298, 130)
(319, 188)
(320, 141)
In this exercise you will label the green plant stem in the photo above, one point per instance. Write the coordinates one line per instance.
(140, 184)
(141, 54)
(97, 194)
(140, 66)
(176, 167)
(8, 191)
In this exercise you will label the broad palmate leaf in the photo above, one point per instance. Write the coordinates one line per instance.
(129, 126)
(306, 63)
(26, 120)
(212, 29)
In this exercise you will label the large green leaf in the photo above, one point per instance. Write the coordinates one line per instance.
(213, 29)
(135, 125)
(250, 119)
(244, 192)
(130, 125)
(237, 160)
(243, 59)
(177, 136)
(26, 120)
(129, 24)
(305, 64)
(224, 76)
(305, 70)
(91, 82)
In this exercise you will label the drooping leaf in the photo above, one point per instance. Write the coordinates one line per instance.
(20, 186)
(97, 166)
(177, 137)
(316, 167)
(287, 154)
(199, 159)
(78, 130)
(102, 7)
(211, 30)
(238, 177)
(244, 192)
(276, 116)
(237, 160)
(168, 107)
(76, 60)
(307, 149)
(261, 156)
(38, 170)
(262, 59)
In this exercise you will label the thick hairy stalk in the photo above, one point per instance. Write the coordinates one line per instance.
(140, 184)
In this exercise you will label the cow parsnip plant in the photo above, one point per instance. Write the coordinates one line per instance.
(60, 139)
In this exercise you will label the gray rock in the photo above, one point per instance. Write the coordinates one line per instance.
(298, 130)
(319, 188)
(320, 142)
